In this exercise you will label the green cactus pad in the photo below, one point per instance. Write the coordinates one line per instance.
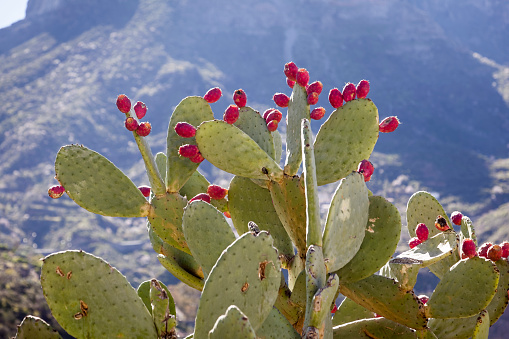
(346, 222)
(207, 233)
(422, 207)
(499, 302)
(379, 328)
(467, 229)
(469, 286)
(161, 163)
(278, 146)
(290, 203)
(226, 147)
(247, 274)
(97, 185)
(322, 301)
(482, 327)
(91, 299)
(434, 249)
(232, 324)
(143, 292)
(298, 109)
(349, 311)
(193, 110)
(253, 124)
(154, 175)
(276, 326)
(383, 230)
(197, 184)
(166, 219)
(316, 276)
(35, 328)
(453, 328)
(161, 303)
(243, 194)
(384, 297)
(345, 139)
(178, 272)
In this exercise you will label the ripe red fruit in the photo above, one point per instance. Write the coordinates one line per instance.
(56, 191)
(441, 223)
(197, 158)
(217, 192)
(290, 83)
(267, 112)
(185, 129)
(291, 71)
(468, 249)
(349, 92)
(334, 309)
(274, 115)
(272, 125)
(188, 151)
(145, 190)
(202, 196)
(315, 87)
(362, 89)
(240, 98)
(231, 114)
(312, 98)
(414, 242)
(143, 129)
(423, 298)
(317, 113)
(388, 124)
(456, 217)
(212, 95)
(281, 99)
(123, 103)
(495, 253)
(366, 168)
(505, 249)
(302, 77)
(140, 109)
(227, 214)
(483, 250)
(131, 124)
(335, 98)
(422, 232)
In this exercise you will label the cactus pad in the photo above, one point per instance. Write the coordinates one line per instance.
(253, 124)
(434, 249)
(276, 327)
(349, 311)
(379, 328)
(35, 328)
(482, 327)
(173, 266)
(143, 292)
(298, 109)
(232, 324)
(422, 207)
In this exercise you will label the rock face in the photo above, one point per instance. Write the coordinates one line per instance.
(36, 8)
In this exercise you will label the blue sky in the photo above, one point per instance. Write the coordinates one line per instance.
(11, 11)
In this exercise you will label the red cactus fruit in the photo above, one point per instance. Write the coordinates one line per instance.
(217, 192)
(227, 214)
(140, 109)
(388, 124)
(422, 232)
(145, 190)
(423, 298)
(315, 86)
(414, 242)
(272, 125)
(317, 113)
(335, 98)
(291, 71)
(456, 217)
(468, 249)
(290, 83)
(302, 77)
(212, 95)
(231, 114)
(495, 253)
(441, 223)
(56, 191)
(505, 249)
(131, 124)
(312, 98)
(334, 309)
(349, 92)
(366, 168)
(267, 112)
(281, 99)
(198, 158)
(185, 129)
(362, 89)
(483, 250)
(188, 151)
(123, 103)
(202, 196)
(143, 129)
(240, 98)
(274, 115)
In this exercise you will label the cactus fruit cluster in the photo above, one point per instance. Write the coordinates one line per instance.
(280, 273)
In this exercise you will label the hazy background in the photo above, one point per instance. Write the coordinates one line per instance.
(441, 66)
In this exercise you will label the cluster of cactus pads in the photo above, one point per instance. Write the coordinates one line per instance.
(280, 273)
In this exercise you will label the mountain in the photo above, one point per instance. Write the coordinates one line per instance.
(440, 66)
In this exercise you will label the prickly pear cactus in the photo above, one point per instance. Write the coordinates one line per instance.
(235, 243)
